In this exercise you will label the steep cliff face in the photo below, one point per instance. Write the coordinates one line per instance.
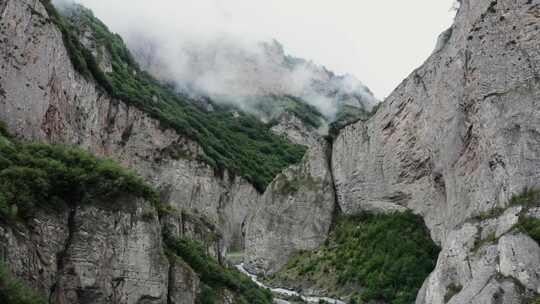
(112, 256)
(456, 139)
(43, 98)
(458, 136)
(296, 211)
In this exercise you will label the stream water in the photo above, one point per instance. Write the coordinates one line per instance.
(286, 292)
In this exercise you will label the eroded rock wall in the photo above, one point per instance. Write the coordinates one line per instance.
(101, 252)
(43, 98)
(297, 209)
(457, 138)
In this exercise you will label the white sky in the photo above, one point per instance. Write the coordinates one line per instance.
(378, 41)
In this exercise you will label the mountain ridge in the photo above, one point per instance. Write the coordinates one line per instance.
(456, 143)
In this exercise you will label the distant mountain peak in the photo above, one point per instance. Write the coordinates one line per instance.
(226, 70)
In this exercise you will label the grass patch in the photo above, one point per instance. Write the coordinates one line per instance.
(272, 106)
(285, 185)
(243, 145)
(530, 226)
(492, 213)
(528, 198)
(13, 291)
(54, 176)
(451, 291)
(214, 276)
(293, 299)
(534, 300)
(479, 243)
(387, 257)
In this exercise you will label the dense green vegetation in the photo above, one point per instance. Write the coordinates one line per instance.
(13, 291)
(3, 130)
(82, 59)
(54, 176)
(214, 276)
(528, 198)
(386, 256)
(531, 226)
(243, 144)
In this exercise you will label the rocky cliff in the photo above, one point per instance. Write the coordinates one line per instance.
(296, 212)
(43, 98)
(457, 139)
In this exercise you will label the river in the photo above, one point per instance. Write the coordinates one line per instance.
(286, 292)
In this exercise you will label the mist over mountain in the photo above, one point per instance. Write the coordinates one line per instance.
(238, 71)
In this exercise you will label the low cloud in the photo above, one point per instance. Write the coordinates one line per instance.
(216, 58)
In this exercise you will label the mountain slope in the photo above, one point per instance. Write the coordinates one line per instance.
(236, 141)
(57, 104)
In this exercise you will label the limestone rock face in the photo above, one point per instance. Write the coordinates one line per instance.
(520, 258)
(458, 138)
(119, 260)
(485, 262)
(296, 210)
(43, 98)
(104, 252)
(113, 255)
(183, 285)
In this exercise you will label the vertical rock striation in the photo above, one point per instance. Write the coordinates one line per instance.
(43, 98)
(456, 139)
(297, 209)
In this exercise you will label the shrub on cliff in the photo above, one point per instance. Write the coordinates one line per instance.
(55, 176)
(15, 292)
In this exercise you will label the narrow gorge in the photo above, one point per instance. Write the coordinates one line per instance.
(115, 188)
